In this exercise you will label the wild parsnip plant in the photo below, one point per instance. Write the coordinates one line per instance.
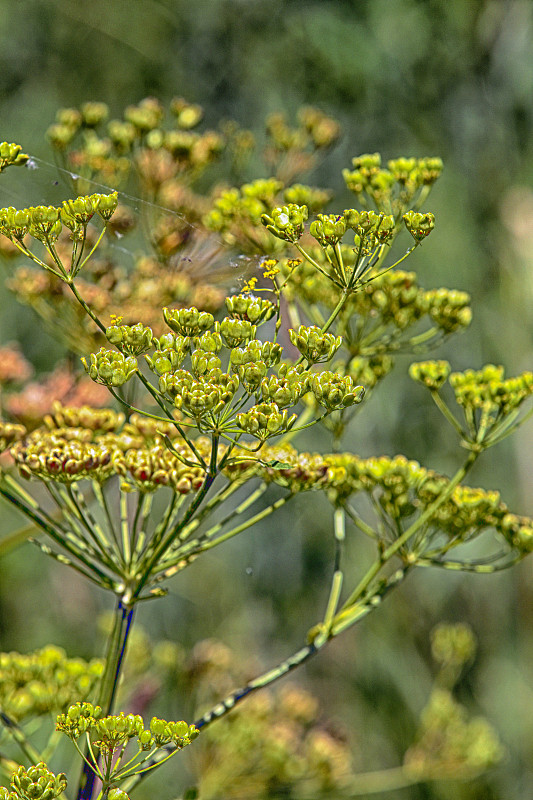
(206, 401)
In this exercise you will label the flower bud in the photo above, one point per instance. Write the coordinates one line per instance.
(328, 229)
(250, 308)
(110, 368)
(188, 321)
(334, 391)
(419, 225)
(130, 339)
(430, 373)
(236, 332)
(264, 420)
(10, 154)
(286, 222)
(314, 345)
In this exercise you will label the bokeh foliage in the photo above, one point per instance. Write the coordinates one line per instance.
(453, 78)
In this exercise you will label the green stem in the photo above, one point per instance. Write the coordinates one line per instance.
(250, 500)
(116, 649)
(411, 531)
(443, 408)
(58, 539)
(316, 265)
(18, 735)
(199, 546)
(84, 305)
(167, 540)
(89, 254)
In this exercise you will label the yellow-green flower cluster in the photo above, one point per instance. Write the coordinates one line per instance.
(98, 420)
(284, 466)
(200, 397)
(490, 401)
(188, 322)
(314, 345)
(65, 455)
(281, 732)
(449, 309)
(45, 223)
(132, 340)
(419, 224)
(210, 396)
(370, 229)
(11, 155)
(242, 206)
(250, 308)
(403, 487)
(10, 432)
(114, 731)
(432, 374)
(150, 467)
(328, 229)
(468, 510)
(286, 222)
(315, 129)
(334, 391)
(488, 387)
(44, 682)
(110, 368)
(368, 371)
(34, 783)
(264, 420)
(95, 444)
(452, 644)
(286, 388)
(394, 189)
(237, 214)
(301, 195)
(251, 362)
(393, 299)
(518, 531)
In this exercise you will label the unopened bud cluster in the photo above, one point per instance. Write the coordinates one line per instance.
(218, 382)
(34, 783)
(237, 213)
(488, 386)
(486, 396)
(132, 340)
(250, 308)
(449, 743)
(314, 345)
(432, 374)
(264, 420)
(371, 229)
(286, 222)
(114, 731)
(95, 444)
(110, 368)
(64, 455)
(45, 222)
(395, 188)
(453, 644)
(419, 225)
(10, 432)
(11, 155)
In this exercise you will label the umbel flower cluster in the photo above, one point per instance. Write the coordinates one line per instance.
(109, 736)
(207, 396)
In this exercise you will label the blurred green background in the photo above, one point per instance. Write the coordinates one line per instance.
(452, 78)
